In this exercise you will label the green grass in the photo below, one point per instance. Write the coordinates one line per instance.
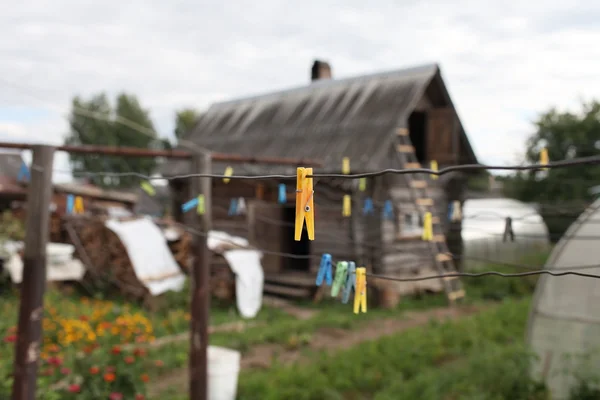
(479, 357)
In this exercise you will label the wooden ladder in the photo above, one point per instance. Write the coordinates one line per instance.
(418, 184)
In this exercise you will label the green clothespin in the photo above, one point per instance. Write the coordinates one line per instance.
(148, 188)
(200, 208)
(341, 271)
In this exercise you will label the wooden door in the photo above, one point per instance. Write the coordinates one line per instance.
(442, 136)
(265, 232)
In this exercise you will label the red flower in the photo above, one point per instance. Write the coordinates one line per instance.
(139, 352)
(65, 371)
(115, 396)
(94, 370)
(116, 350)
(57, 361)
(83, 318)
(10, 339)
(139, 397)
(74, 388)
(129, 360)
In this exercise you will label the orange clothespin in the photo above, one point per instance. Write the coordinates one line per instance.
(305, 207)
(78, 206)
(360, 294)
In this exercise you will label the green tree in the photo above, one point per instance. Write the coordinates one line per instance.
(184, 121)
(566, 136)
(96, 122)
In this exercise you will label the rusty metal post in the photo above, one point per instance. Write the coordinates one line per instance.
(200, 284)
(33, 283)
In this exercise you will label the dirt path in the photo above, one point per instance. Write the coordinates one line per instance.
(328, 339)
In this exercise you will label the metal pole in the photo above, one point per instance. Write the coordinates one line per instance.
(33, 284)
(200, 284)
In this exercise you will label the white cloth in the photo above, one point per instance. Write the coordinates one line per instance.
(246, 266)
(150, 256)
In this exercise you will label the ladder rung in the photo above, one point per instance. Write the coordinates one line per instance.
(402, 132)
(418, 184)
(443, 257)
(406, 148)
(424, 202)
(456, 295)
(439, 238)
(412, 165)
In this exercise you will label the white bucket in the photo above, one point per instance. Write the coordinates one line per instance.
(223, 371)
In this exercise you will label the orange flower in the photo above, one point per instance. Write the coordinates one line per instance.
(139, 352)
(129, 360)
(159, 363)
(116, 350)
(109, 377)
(144, 377)
(94, 370)
(53, 348)
(139, 397)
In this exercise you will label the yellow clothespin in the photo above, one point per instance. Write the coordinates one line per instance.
(362, 184)
(360, 294)
(434, 167)
(228, 172)
(201, 208)
(345, 165)
(427, 227)
(347, 206)
(78, 206)
(305, 207)
(544, 158)
(148, 188)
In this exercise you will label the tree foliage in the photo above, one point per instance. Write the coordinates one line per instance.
(566, 136)
(184, 121)
(127, 124)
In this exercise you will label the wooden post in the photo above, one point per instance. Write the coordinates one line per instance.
(33, 285)
(201, 164)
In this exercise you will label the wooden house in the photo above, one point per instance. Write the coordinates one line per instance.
(378, 122)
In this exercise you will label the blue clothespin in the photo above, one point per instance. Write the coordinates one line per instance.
(388, 210)
(233, 207)
(189, 205)
(368, 208)
(282, 193)
(325, 270)
(350, 282)
(450, 211)
(70, 203)
(23, 173)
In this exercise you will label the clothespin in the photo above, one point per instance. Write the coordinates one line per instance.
(544, 159)
(233, 207)
(360, 294)
(350, 282)
(241, 206)
(347, 206)
(148, 188)
(345, 166)
(305, 207)
(434, 167)
(341, 273)
(508, 230)
(388, 210)
(427, 227)
(78, 205)
(197, 202)
(454, 211)
(228, 172)
(368, 208)
(325, 270)
(23, 173)
(362, 184)
(70, 203)
(282, 194)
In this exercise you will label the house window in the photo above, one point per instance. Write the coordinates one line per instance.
(410, 224)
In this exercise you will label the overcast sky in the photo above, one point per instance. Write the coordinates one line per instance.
(504, 62)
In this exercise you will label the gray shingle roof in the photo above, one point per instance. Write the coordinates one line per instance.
(325, 121)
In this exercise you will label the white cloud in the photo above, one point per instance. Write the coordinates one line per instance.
(503, 62)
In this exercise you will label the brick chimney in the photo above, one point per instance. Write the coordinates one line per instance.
(320, 70)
